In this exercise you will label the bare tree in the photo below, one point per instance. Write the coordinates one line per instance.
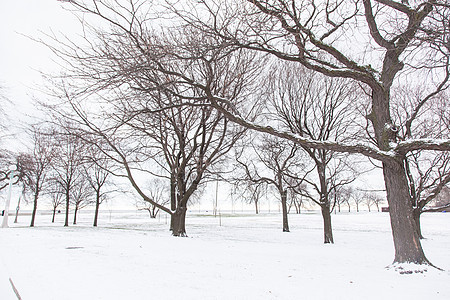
(358, 198)
(57, 199)
(319, 108)
(158, 192)
(281, 159)
(66, 166)
(81, 196)
(97, 171)
(377, 200)
(296, 200)
(36, 164)
(140, 123)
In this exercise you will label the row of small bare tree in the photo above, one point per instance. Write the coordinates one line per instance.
(60, 168)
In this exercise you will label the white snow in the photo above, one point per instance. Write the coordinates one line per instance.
(248, 257)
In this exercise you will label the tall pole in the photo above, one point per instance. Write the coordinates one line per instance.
(8, 197)
(217, 193)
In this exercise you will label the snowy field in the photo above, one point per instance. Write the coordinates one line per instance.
(233, 257)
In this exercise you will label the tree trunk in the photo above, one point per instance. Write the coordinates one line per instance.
(17, 211)
(417, 213)
(284, 208)
(178, 222)
(33, 214)
(408, 248)
(97, 206)
(256, 207)
(327, 229)
(75, 215)
(54, 213)
(66, 222)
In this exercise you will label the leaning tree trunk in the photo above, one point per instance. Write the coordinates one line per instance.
(17, 210)
(284, 209)
(54, 213)
(408, 248)
(75, 215)
(327, 229)
(178, 222)
(33, 214)
(97, 206)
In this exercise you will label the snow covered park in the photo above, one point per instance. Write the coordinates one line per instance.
(234, 256)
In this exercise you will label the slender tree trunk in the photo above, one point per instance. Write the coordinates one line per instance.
(17, 210)
(178, 222)
(33, 214)
(256, 207)
(75, 215)
(408, 248)
(327, 229)
(66, 222)
(284, 208)
(54, 213)
(97, 206)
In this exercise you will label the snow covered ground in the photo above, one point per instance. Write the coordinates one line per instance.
(233, 257)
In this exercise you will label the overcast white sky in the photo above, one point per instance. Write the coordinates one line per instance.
(21, 58)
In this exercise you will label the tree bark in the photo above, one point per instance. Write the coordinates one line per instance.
(97, 206)
(75, 215)
(327, 229)
(417, 213)
(33, 214)
(284, 208)
(54, 213)
(178, 222)
(408, 248)
(66, 222)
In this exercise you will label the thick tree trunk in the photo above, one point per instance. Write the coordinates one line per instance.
(284, 209)
(33, 214)
(408, 248)
(178, 222)
(327, 229)
(97, 206)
